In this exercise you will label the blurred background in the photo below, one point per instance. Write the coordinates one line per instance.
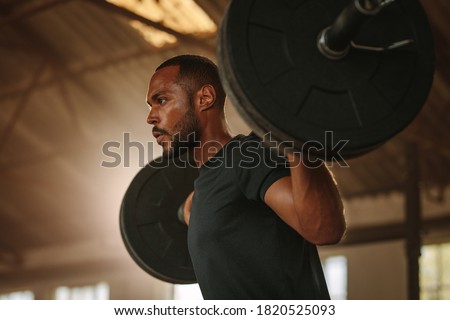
(73, 77)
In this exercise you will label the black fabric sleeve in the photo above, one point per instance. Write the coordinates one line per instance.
(273, 176)
(257, 167)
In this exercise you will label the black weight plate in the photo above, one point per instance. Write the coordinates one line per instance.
(280, 82)
(151, 231)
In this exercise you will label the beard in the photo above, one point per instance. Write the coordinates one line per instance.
(186, 135)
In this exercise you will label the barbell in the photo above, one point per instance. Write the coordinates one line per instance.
(293, 69)
(152, 233)
(299, 69)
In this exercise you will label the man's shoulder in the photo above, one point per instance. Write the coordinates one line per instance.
(251, 149)
(242, 141)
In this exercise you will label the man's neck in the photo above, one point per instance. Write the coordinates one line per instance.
(209, 146)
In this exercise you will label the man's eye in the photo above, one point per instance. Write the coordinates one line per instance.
(162, 101)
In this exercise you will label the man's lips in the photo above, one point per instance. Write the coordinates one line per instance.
(159, 135)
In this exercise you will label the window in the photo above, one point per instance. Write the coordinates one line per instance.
(435, 272)
(335, 270)
(18, 295)
(187, 292)
(99, 291)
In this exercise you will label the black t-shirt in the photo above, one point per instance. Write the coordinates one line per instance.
(239, 247)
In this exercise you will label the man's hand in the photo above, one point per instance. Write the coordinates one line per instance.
(187, 208)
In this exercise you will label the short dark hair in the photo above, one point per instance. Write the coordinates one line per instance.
(195, 72)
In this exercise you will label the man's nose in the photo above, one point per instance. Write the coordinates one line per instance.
(152, 117)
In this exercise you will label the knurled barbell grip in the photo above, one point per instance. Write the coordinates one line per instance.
(334, 41)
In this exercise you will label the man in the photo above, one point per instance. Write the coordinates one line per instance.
(254, 217)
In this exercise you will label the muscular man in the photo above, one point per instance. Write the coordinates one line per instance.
(254, 218)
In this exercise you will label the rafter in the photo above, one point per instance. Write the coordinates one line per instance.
(30, 12)
(23, 102)
(134, 16)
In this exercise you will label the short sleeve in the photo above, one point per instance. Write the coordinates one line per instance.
(256, 167)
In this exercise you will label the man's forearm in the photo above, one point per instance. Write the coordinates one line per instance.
(317, 202)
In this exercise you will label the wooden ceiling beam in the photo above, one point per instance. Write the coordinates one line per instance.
(214, 9)
(134, 16)
(23, 102)
(21, 15)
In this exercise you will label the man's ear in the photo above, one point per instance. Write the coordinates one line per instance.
(206, 97)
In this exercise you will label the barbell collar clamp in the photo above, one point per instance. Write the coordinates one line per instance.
(369, 7)
(334, 41)
(325, 49)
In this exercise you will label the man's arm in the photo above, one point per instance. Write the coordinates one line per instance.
(187, 206)
(309, 202)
